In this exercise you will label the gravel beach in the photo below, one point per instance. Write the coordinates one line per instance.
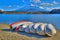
(7, 34)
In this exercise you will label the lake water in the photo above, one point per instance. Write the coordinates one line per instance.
(45, 18)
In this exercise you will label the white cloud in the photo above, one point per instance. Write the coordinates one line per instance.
(41, 7)
(36, 1)
(47, 4)
(57, 8)
(32, 5)
(2, 9)
(48, 9)
(52, 8)
(54, 2)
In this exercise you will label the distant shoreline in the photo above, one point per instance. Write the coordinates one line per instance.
(16, 12)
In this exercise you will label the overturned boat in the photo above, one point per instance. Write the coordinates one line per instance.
(35, 28)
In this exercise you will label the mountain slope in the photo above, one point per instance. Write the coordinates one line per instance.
(55, 11)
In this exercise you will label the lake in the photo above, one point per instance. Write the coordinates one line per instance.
(45, 18)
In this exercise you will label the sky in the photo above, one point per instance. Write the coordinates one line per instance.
(17, 4)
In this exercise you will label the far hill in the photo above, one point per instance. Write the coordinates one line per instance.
(55, 11)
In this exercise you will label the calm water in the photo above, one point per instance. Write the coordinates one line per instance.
(45, 18)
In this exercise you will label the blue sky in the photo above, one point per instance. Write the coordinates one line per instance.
(42, 4)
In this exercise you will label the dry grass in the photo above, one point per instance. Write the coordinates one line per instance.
(4, 35)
